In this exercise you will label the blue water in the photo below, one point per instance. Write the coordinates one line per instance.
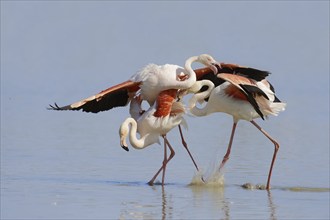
(70, 165)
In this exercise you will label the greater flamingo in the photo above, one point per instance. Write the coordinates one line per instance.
(165, 114)
(148, 84)
(137, 113)
(242, 94)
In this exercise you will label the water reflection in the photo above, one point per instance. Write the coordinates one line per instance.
(166, 208)
(214, 198)
(197, 200)
(271, 206)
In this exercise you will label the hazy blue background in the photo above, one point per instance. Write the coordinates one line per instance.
(68, 50)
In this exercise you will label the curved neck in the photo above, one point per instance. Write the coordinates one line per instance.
(144, 141)
(191, 73)
(188, 63)
(199, 97)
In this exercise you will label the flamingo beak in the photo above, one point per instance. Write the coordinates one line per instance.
(215, 67)
(125, 147)
(123, 143)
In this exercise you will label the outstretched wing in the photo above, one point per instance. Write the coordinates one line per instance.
(112, 97)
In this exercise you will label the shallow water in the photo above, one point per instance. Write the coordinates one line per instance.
(69, 165)
(103, 199)
(59, 169)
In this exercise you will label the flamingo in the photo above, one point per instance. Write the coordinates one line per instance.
(157, 121)
(243, 93)
(148, 83)
(137, 113)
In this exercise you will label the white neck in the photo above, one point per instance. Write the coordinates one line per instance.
(185, 84)
(199, 97)
(144, 141)
(191, 73)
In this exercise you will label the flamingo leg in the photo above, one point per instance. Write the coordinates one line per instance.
(169, 158)
(276, 147)
(226, 157)
(186, 147)
(165, 161)
(151, 182)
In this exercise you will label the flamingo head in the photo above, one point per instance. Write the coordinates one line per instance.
(123, 132)
(210, 62)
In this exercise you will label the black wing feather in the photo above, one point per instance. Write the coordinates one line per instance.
(107, 102)
(250, 92)
(247, 72)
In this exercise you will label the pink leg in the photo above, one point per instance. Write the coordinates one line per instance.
(186, 146)
(226, 157)
(170, 157)
(277, 146)
(165, 161)
(151, 182)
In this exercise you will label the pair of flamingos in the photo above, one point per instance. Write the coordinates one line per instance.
(242, 92)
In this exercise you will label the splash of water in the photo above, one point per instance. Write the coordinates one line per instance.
(211, 177)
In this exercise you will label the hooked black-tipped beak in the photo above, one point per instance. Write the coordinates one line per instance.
(216, 67)
(125, 147)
